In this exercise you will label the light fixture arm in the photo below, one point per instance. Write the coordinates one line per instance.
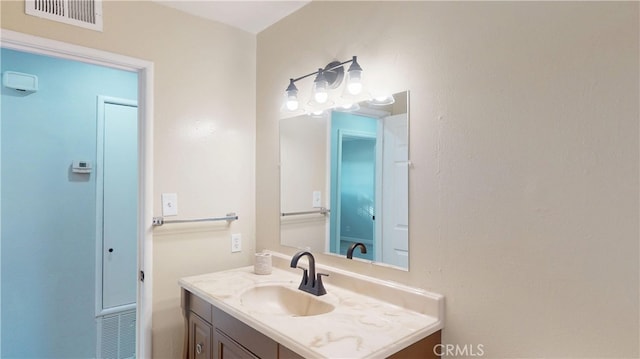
(329, 68)
(327, 78)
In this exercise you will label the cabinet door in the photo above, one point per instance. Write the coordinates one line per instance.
(253, 341)
(200, 335)
(227, 348)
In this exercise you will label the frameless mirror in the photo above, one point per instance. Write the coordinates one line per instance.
(344, 180)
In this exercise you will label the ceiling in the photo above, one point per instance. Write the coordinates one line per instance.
(250, 16)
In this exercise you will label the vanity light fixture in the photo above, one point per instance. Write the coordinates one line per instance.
(329, 77)
(354, 77)
(292, 97)
(320, 85)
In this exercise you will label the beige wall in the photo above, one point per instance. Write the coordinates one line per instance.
(524, 140)
(303, 166)
(204, 136)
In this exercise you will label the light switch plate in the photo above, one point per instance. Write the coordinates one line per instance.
(317, 199)
(169, 204)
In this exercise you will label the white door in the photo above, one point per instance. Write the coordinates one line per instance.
(118, 154)
(395, 191)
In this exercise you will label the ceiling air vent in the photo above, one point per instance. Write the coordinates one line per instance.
(83, 13)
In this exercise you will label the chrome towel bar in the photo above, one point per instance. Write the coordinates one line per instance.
(320, 210)
(230, 217)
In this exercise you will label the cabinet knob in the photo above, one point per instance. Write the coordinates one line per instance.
(110, 250)
(199, 349)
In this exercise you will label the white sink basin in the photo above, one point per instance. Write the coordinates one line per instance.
(280, 300)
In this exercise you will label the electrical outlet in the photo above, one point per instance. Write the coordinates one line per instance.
(236, 242)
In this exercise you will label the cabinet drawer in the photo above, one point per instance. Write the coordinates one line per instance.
(200, 333)
(227, 348)
(255, 342)
(193, 303)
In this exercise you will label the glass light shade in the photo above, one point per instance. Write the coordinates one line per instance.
(320, 85)
(354, 77)
(320, 93)
(354, 82)
(321, 96)
(292, 103)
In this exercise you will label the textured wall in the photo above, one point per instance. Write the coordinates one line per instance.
(524, 144)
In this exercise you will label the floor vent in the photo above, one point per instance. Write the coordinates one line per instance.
(83, 13)
(117, 336)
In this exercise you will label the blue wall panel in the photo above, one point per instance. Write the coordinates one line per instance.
(48, 212)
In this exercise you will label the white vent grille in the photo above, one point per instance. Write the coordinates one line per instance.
(128, 335)
(109, 344)
(117, 336)
(83, 13)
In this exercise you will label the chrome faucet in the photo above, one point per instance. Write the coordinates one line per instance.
(310, 283)
(363, 249)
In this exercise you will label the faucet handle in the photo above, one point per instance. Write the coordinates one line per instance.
(319, 287)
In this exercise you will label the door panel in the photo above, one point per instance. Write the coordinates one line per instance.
(395, 191)
(120, 204)
(357, 188)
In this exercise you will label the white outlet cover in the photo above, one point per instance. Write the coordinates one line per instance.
(236, 242)
(169, 204)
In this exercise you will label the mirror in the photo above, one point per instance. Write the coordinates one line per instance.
(344, 180)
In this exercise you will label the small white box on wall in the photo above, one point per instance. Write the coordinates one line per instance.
(20, 81)
(80, 166)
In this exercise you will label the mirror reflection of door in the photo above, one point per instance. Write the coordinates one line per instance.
(395, 192)
(356, 183)
(353, 183)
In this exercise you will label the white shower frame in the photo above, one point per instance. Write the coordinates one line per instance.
(33, 44)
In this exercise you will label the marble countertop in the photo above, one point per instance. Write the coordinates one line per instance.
(361, 326)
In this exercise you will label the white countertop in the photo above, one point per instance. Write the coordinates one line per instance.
(361, 326)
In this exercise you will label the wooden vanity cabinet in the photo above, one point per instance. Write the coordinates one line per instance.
(211, 333)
